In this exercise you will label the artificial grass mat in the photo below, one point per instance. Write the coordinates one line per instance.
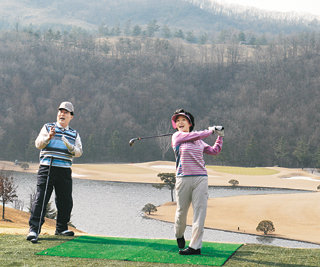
(140, 250)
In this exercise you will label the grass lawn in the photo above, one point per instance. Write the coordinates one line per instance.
(244, 170)
(16, 251)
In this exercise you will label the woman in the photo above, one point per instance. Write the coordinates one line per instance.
(191, 177)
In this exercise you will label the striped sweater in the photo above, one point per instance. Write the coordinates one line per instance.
(189, 148)
(56, 148)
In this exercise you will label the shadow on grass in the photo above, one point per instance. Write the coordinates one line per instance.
(55, 239)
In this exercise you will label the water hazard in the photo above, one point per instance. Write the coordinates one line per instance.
(114, 209)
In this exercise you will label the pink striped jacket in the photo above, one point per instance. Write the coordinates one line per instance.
(189, 149)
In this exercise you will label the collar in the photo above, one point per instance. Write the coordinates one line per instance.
(59, 126)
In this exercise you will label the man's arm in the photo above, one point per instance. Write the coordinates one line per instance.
(43, 138)
(78, 147)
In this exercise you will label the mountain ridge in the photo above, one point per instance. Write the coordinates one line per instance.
(191, 15)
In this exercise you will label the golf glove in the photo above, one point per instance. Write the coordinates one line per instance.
(219, 130)
(67, 144)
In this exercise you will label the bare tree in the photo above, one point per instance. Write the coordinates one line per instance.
(164, 142)
(169, 180)
(50, 212)
(7, 190)
(18, 204)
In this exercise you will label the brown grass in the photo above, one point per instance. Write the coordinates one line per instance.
(17, 223)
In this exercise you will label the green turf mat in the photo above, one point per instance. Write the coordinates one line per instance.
(140, 250)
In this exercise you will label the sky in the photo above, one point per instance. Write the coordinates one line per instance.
(298, 6)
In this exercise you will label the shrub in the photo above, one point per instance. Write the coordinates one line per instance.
(233, 182)
(24, 166)
(149, 208)
(265, 227)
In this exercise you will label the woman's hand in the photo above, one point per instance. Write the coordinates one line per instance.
(219, 130)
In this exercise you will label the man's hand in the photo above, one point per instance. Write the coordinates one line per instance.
(67, 144)
(52, 132)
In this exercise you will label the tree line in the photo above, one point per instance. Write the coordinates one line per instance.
(125, 87)
(192, 20)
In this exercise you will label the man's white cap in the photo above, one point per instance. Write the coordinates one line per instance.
(67, 106)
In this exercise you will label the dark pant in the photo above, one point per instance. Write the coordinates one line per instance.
(59, 179)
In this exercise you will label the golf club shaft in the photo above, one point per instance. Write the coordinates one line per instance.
(45, 195)
(131, 142)
(154, 136)
(147, 137)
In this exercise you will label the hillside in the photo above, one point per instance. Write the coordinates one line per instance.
(133, 67)
(202, 16)
(266, 99)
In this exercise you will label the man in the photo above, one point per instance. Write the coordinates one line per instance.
(59, 144)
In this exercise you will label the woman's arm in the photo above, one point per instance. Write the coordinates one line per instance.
(181, 137)
(216, 148)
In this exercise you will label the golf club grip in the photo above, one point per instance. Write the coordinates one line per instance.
(219, 128)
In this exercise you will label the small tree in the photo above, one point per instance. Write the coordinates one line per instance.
(51, 213)
(7, 190)
(18, 204)
(164, 143)
(233, 182)
(169, 180)
(265, 226)
(149, 208)
(24, 165)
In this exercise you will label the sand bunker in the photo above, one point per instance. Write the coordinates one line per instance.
(302, 178)
(76, 175)
(164, 167)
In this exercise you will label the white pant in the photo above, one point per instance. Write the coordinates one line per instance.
(192, 189)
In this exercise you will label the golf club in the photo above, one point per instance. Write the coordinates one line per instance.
(131, 142)
(35, 240)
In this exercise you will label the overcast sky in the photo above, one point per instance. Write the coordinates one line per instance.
(299, 6)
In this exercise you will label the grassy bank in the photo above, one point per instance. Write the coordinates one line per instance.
(16, 251)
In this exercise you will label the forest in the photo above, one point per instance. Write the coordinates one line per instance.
(266, 96)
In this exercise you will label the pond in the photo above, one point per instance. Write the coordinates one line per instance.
(114, 209)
